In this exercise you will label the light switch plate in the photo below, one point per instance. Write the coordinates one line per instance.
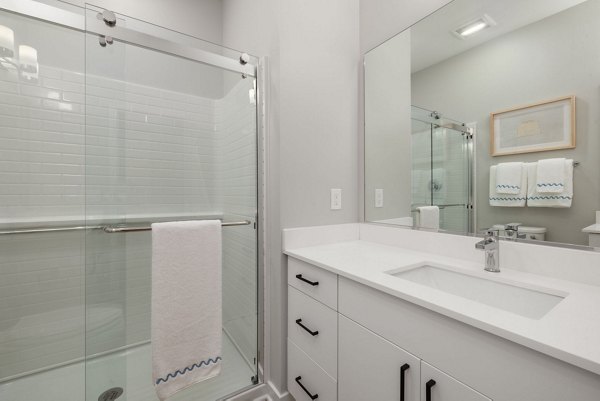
(379, 198)
(336, 199)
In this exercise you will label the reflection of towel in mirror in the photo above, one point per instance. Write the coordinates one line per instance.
(509, 177)
(429, 217)
(508, 200)
(551, 175)
(544, 199)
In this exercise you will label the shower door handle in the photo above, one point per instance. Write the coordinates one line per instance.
(312, 396)
(312, 333)
(313, 283)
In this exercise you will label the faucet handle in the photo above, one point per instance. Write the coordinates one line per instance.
(490, 232)
(513, 226)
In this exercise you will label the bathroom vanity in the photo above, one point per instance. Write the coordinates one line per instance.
(380, 313)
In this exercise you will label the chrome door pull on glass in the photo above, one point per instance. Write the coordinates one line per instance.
(312, 397)
(313, 283)
(312, 333)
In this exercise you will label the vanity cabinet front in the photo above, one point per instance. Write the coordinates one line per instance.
(372, 368)
(350, 342)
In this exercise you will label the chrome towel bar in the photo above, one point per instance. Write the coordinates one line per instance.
(129, 229)
(106, 229)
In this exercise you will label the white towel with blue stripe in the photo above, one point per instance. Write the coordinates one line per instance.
(551, 175)
(186, 304)
(536, 198)
(508, 200)
(509, 177)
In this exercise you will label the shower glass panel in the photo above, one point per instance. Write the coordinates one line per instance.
(42, 140)
(442, 168)
(167, 138)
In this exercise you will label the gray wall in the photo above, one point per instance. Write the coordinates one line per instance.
(555, 57)
(380, 20)
(388, 127)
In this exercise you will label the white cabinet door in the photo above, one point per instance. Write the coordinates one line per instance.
(371, 368)
(438, 386)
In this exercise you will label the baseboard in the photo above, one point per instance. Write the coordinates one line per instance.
(256, 393)
(276, 395)
(262, 392)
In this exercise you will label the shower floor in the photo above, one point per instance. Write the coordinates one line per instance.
(130, 369)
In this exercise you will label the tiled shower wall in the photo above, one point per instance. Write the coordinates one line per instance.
(140, 152)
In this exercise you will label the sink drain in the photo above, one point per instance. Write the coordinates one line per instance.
(111, 394)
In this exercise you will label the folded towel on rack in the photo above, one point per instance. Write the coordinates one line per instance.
(509, 177)
(186, 304)
(508, 200)
(545, 199)
(429, 217)
(551, 175)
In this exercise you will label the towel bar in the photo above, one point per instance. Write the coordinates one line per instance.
(106, 229)
(416, 210)
(128, 229)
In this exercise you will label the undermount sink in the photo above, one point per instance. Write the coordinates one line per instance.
(530, 303)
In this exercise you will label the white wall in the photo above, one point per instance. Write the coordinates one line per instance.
(388, 127)
(382, 19)
(199, 18)
(313, 60)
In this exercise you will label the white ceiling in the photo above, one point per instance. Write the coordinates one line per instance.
(432, 40)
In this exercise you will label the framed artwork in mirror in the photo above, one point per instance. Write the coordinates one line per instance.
(539, 127)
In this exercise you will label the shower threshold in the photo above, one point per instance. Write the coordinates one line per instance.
(130, 369)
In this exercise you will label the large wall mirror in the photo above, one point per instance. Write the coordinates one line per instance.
(486, 114)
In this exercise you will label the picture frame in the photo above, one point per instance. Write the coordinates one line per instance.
(538, 127)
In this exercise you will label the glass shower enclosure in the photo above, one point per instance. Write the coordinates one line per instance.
(442, 168)
(108, 126)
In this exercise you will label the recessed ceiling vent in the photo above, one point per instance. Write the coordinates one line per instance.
(474, 26)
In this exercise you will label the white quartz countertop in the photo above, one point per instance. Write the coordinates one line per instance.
(569, 332)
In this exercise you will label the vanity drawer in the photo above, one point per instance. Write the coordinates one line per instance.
(313, 327)
(314, 281)
(306, 380)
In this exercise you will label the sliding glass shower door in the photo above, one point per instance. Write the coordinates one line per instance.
(442, 168)
(167, 138)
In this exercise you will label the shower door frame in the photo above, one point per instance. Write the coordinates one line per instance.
(48, 13)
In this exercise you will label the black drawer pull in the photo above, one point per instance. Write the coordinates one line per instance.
(428, 387)
(313, 283)
(403, 369)
(312, 397)
(312, 333)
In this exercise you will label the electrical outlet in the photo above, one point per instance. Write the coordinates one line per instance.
(379, 198)
(336, 199)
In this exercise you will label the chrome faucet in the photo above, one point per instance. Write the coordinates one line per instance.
(512, 231)
(491, 245)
